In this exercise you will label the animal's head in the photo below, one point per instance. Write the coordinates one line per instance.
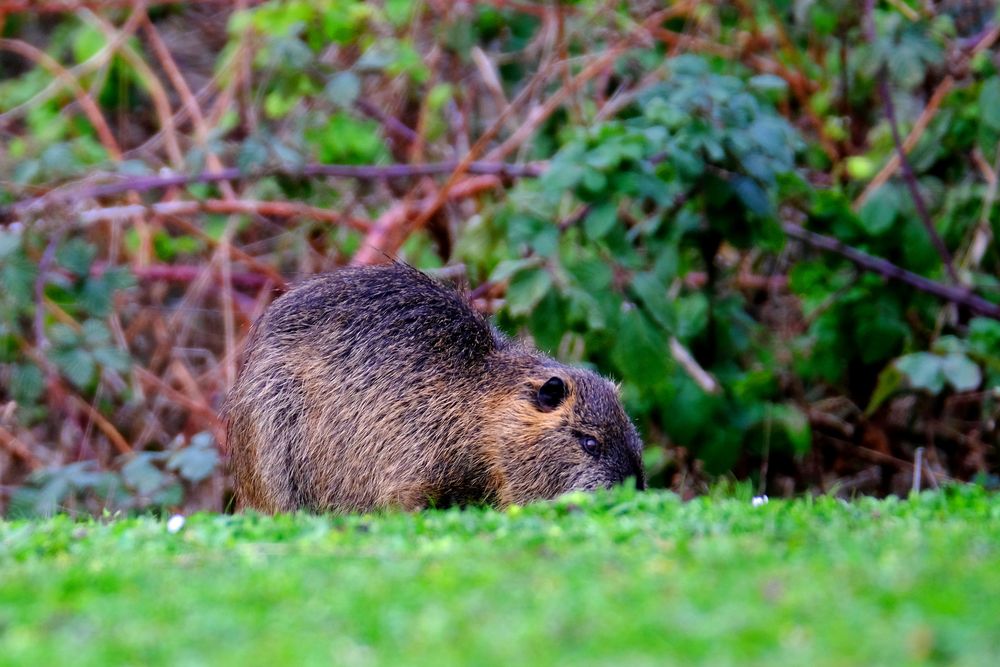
(565, 430)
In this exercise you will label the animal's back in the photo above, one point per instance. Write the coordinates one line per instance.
(351, 393)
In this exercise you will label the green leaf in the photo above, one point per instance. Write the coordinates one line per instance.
(77, 365)
(526, 290)
(343, 89)
(961, 372)
(880, 210)
(76, 255)
(399, 11)
(768, 83)
(533, 232)
(692, 315)
(581, 301)
(253, 155)
(95, 333)
(119, 277)
(984, 337)
(169, 495)
(287, 157)
(142, 475)
(881, 329)
(795, 425)
(97, 296)
(947, 345)
(440, 95)
(600, 220)
(26, 383)
(594, 181)
(641, 351)
(113, 358)
(17, 276)
(62, 335)
(10, 242)
(88, 40)
(546, 322)
(989, 103)
(509, 267)
(339, 25)
(653, 294)
(923, 370)
(890, 381)
(51, 495)
(349, 140)
(752, 195)
(197, 461)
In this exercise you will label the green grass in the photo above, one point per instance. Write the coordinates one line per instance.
(620, 578)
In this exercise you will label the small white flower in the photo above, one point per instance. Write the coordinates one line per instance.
(758, 501)
(175, 523)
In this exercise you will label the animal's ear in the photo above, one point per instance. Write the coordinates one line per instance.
(551, 394)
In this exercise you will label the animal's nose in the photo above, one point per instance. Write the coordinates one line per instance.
(632, 467)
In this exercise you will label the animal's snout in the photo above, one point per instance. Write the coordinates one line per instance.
(632, 467)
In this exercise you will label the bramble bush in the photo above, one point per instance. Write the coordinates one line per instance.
(687, 157)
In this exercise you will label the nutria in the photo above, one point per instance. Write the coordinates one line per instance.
(377, 387)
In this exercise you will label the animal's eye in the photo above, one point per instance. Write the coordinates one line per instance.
(590, 445)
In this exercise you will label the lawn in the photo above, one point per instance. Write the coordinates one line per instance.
(618, 578)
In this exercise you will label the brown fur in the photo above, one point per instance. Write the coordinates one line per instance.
(378, 387)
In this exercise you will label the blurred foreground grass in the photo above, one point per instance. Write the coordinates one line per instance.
(620, 578)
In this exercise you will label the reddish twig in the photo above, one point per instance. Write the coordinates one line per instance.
(390, 230)
(105, 426)
(12, 444)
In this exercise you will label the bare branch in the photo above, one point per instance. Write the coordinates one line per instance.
(959, 295)
(375, 172)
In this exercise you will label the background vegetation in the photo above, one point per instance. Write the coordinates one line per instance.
(774, 222)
